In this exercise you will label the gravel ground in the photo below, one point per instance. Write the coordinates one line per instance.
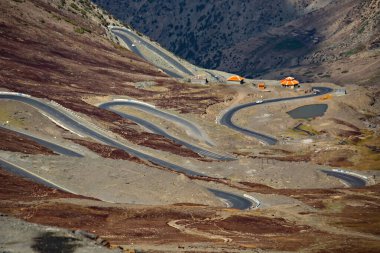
(115, 180)
(24, 237)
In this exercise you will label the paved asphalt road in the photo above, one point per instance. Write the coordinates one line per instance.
(81, 128)
(137, 51)
(234, 201)
(191, 127)
(159, 131)
(227, 116)
(12, 168)
(154, 49)
(350, 179)
(50, 145)
(78, 127)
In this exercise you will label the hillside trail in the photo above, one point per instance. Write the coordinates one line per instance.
(193, 231)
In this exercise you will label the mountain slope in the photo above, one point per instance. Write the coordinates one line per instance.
(59, 50)
(258, 38)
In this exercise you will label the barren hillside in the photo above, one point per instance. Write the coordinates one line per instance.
(59, 50)
(316, 40)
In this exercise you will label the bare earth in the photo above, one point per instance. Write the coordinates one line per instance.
(132, 204)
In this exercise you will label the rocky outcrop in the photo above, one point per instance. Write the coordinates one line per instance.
(258, 38)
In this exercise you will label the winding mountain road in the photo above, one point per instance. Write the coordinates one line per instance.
(18, 170)
(157, 130)
(135, 50)
(84, 129)
(226, 118)
(191, 128)
(352, 180)
(173, 62)
(48, 144)
(233, 200)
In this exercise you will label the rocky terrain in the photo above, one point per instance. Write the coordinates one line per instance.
(40, 63)
(324, 220)
(316, 40)
(110, 199)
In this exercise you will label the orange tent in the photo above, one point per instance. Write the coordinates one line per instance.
(289, 81)
(235, 78)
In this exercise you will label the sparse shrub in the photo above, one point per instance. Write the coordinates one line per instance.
(74, 6)
(362, 28)
(83, 12)
(355, 50)
(70, 21)
(289, 44)
(56, 17)
(81, 30)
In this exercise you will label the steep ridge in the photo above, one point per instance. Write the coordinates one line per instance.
(317, 40)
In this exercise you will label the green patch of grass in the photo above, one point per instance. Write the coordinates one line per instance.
(289, 44)
(74, 6)
(56, 17)
(83, 12)
(309, 129)
(367, 158)
(81, 30)
(6, 117)
(334, 206)
(70, 21)
(354, 51)
(304, 129)
(362, 28)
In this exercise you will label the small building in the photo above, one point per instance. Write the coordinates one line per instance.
(340, 92)
(199, 80)
(261, 86)
(235, 79)
(290, 82)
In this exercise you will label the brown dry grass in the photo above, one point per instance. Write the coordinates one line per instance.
(42, 55)
(11, 141)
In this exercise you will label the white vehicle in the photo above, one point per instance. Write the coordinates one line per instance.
(259, 101)
(133, 45)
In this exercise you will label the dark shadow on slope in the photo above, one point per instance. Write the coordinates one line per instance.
(50, 242)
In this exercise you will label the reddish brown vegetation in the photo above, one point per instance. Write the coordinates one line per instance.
(148, 225)
(14, 188)
(11, 141)
(156, 142)
(107, 151)
(43, 56)
(257, 225)
(361, 212)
